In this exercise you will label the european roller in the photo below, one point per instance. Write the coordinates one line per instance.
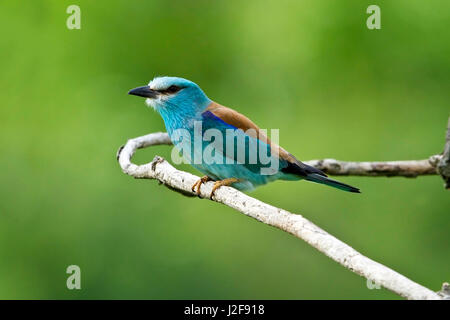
(223, 144)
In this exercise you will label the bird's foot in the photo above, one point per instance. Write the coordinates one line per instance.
(199, 183)
(220, 183)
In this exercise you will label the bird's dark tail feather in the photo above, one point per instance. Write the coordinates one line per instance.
(314, 177)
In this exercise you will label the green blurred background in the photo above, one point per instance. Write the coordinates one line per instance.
(312, 69)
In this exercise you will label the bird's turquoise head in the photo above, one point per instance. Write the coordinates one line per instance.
(173, 96)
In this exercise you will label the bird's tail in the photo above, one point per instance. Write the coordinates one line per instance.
(314, 177)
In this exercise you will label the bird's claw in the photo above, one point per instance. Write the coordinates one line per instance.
(199, 183)
(220, 183)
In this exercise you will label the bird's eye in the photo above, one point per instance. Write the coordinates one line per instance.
(173, 89)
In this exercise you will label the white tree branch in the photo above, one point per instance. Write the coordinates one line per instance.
(409, 168)
(294, 224)
(443, 165)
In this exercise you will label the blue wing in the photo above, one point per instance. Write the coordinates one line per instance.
(235, 147)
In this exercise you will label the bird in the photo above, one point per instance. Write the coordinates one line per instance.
(237, 159)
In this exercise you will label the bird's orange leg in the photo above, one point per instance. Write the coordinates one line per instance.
(199, 183)
(220, 183)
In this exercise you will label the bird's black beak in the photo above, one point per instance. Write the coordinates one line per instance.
(144, 91)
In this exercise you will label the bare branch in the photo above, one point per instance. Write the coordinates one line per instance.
(443, 166)
(409, 169)
(294, 224)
